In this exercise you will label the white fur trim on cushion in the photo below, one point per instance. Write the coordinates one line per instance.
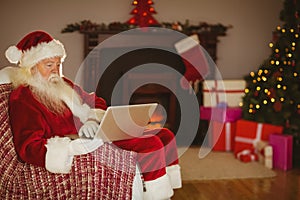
(42, 51)
(174, 174)
(159, 188)
(57, 158)
(6, 74)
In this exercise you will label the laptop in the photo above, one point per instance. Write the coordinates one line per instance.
(125, 122)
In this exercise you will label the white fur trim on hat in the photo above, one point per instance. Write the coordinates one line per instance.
(13, 54)
(42, 51)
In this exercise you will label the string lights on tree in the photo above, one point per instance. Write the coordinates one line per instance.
(273, 92)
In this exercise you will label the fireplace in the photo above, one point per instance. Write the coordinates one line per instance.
(104, 86)
(165, 114)
(148, 93)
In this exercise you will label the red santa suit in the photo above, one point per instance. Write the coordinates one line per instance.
(157, 153)
(31, 130)
(40, 135)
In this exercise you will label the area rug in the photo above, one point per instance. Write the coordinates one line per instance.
(218, 165)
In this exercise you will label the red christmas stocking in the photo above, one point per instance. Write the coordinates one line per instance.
(194, 59)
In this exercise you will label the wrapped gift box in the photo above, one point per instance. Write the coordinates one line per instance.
(247, 155)
(249, 133)
(223, 136)
(265, 153)
(228, 91)
(282, 151)
(229, 114)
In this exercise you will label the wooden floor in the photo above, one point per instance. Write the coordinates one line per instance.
(285, 186)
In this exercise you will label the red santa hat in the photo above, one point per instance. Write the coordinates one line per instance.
(34, 47)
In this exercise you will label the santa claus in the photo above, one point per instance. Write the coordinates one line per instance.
(45, 108)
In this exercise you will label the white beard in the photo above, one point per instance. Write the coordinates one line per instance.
(54, 93)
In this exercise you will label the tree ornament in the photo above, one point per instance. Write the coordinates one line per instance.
(277, 74)
(271, 93)
(287, 123)
(277, 106)
(275, 37)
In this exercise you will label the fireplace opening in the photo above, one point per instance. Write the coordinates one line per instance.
(165, 114)
(147, 93)
(161, 116)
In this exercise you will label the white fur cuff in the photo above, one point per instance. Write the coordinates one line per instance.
(96, 114)
(159, 188)
(175, 176)
(57, 158)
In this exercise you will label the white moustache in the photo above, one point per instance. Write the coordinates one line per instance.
(54, 78)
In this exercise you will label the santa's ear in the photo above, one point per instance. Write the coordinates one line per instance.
(33, 70)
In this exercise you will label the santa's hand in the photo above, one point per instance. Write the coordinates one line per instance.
(83, 146)
(88, 129)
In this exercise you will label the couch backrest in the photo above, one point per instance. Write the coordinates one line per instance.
(9, 165)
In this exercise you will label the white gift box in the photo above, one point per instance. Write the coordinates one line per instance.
(223, 91)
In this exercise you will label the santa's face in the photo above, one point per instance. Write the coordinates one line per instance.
(49, 68)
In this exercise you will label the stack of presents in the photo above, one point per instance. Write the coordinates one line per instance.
(248, 140)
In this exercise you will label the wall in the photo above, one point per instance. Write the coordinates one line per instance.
(241, 51)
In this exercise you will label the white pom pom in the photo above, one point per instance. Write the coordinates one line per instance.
(13, 54)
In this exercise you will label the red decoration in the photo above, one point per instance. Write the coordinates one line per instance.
(277, 106)
(287, 123)
(277, 74)
(275, 37)
(143, 14)
(272, 93)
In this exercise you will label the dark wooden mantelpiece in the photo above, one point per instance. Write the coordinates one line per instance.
(208, 40)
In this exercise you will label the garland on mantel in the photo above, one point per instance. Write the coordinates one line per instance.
(89, 26)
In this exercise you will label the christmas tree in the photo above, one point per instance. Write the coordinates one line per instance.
(272, 94)
(143, 14)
